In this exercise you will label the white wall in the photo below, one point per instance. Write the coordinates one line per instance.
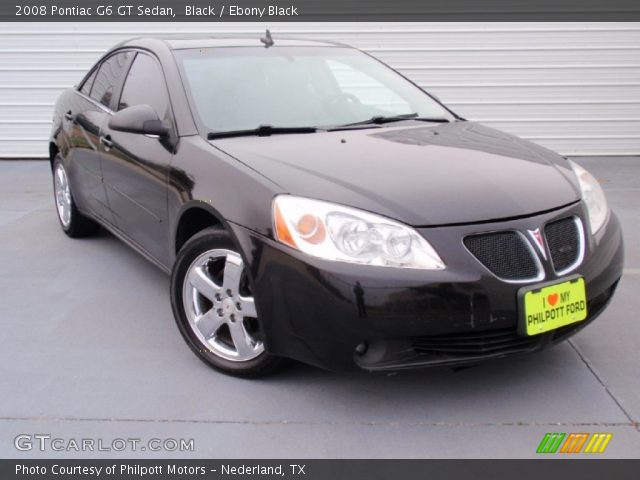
(573, 87)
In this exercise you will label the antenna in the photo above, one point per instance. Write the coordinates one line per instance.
(267, 40)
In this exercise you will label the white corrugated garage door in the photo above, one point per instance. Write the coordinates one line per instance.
(573, 87)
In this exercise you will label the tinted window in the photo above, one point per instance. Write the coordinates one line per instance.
(145, 86)
(86, 86)
(109, 77)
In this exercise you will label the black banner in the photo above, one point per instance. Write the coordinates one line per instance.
(318, 10)
(320, 469)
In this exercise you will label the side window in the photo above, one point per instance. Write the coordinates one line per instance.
(145, 86)
(109, 77)
(86, 86)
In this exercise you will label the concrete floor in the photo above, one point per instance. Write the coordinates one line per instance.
(89, 349)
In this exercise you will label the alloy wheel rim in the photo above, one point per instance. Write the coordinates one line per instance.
(220, 306)
(62, 195)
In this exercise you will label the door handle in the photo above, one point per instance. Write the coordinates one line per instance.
(106, 141)
(69, 116)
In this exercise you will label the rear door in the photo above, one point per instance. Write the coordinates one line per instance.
(136, 166)
(86, 117)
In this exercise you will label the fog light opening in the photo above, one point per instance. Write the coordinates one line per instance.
(362, 348)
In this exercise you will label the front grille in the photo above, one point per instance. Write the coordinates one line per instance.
(563, 238)
(505, 254)
(491, 342)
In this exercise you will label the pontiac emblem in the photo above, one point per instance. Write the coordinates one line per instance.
(539, 241)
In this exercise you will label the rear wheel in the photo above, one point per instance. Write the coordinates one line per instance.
(214, 306)
(73, 223)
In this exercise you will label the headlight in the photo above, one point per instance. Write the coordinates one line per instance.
(338, 233)
(593, 197)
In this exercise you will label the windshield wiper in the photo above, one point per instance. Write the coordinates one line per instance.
(433, 119)
(380, 119)
(261, 131)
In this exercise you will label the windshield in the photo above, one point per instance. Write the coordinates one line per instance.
(241, 88)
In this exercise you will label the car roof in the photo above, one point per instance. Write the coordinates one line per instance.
(182, 42)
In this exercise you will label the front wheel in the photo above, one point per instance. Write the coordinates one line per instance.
(214, 306)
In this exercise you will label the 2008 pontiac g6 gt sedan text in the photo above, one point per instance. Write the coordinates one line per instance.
(312, 203)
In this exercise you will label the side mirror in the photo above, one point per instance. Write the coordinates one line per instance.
(141, 119)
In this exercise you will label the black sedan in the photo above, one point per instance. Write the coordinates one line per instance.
(312, 203)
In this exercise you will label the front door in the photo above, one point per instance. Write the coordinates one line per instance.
(135, 166)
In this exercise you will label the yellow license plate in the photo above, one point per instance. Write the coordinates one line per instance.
(554, 306)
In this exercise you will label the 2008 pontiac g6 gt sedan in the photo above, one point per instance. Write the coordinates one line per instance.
(312, 203)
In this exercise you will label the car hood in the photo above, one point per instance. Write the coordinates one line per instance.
(419, 174)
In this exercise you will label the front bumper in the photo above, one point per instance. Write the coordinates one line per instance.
(319, 312)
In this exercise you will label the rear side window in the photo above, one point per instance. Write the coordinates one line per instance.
(109, 77)
(86, 86)
(145, 86)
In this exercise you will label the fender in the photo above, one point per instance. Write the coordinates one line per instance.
(189, 206)
(202, 176)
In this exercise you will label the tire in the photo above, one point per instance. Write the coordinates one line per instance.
(214, 306)
(73, 223)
